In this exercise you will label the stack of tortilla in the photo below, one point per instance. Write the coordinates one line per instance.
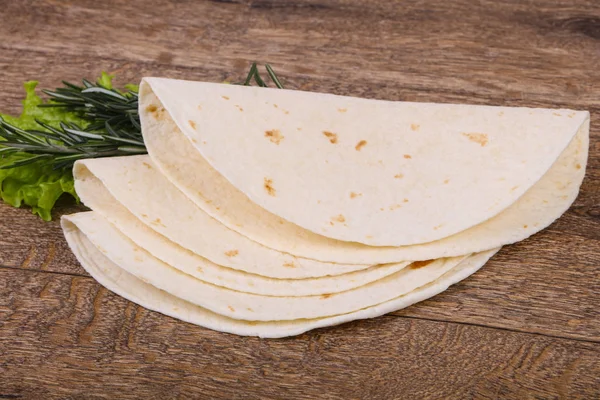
(271, 212)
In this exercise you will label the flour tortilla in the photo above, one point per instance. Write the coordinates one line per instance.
(174, 154)
(128, 286)
(136, 184)
(251, 307)
(200, 268)
(285, 148)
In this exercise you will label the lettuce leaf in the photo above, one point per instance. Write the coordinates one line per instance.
(36, 185)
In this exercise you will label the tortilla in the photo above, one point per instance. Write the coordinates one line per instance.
(136, 184)
(245, 306)
(128, 286)
(176, 157)
(282, 148)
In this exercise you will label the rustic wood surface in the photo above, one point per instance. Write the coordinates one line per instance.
(527, 326)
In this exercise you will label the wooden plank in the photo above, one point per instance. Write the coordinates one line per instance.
(66, 337)
(506, 52)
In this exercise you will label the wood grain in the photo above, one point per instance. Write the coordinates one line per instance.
(526, 326)
(97, 345)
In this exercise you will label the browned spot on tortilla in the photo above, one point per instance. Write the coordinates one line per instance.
(369, 237)
(564, 197)
(151, 108)
(333, 138)
(249, 309)
(281, 222)
(192, 124)
(571, 115)
(268, 185)
(144, 215)
(355, 195)
(239, 108)
(381, 209)
(286, 112)
(147, 165)
(157, 221)
(199, 269)
(446, 181)
(231, 308)
(199, 107)
(289, 264)
(331, 223)
(395, 207)
(194, 140)
(405, 200)
(501, 113)
(524, 226)
(512, 189)
(136, 249)
(420, 264)
(545, 201)
(299, 129)
(274, 135)
(232, 253)
(557, 114)
(339, 218)
(578, 166)
(342, 110)
(204, 142)
(275, 105)
(225, 97)
(415, 127)
(480, 138)
(326, 295)
(399, 176)
(435, 228)
(360, 145)
(407, 156)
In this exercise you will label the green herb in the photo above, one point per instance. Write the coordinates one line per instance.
(90, 120)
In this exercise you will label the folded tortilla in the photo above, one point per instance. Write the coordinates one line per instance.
(366, 171)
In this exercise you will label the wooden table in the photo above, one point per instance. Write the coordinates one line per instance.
(526, 326)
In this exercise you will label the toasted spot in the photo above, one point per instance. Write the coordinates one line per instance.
(286, 112)
(480, 138)
(355, 195)
(414, 127)
(446, 181)
(199, 269)
(571, 115)
(369, 237)
(435, 228)
(399, 176)
(395, 207)
(102, 249)
(360, 145)
(157, 221)
(231, 308)
(274, 136)
(524, 226)
(501, 113)
(557, 114)
(138, 259)
(289, 264)
(147, 165)
(232, 253)
(342, 110)
(326, 296)
(144, 215)
(545, 201)
(225, 97)
(405, 200)
(268, 185)
(407, 156)
(420, 264)
(192, 124)
(338, 218)
(333, 138)
(249, 309)
(199, 107)
(512, 189)
(275, 105)
(151, 108)
(578, 166)
(239, 108)
(194, 140)
(299, 129)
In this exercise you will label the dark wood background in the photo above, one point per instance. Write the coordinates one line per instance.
(527, 326)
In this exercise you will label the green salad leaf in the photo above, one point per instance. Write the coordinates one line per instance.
(35, 184)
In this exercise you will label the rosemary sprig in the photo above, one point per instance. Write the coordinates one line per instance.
(113, 127)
